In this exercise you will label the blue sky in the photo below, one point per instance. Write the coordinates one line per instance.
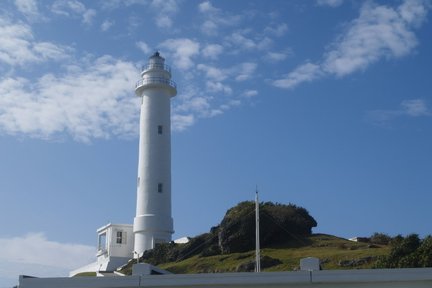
(325, 104)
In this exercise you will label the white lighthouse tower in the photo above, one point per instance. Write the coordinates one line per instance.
(153, 222)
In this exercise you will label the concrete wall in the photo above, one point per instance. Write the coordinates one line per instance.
(379, 278)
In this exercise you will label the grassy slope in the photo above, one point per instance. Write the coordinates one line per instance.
(330, 249)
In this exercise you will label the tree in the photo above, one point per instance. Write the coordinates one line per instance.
(279, 223)
(408, 252)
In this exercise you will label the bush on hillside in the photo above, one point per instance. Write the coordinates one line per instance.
(408, 252)
(380, 239)
(279, 223)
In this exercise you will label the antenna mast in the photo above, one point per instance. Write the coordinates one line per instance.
(257, 235)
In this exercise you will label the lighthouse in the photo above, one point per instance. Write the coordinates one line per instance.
(153, 223)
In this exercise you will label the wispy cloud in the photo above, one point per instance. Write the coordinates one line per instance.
(250, 93)
(212, 51)
(215, 18)
(331, 3)
(73, 8)
(304, 73)
(19, 47)
(29, 8)
(165, 10)
(244, 40)
(73, 103)
(33, 254)
(277, 30)
(277, 56)
(144, 47)
(106, 25)
(407, 108)
(182, 51)
(380, 32)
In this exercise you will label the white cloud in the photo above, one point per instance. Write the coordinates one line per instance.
(245, 71)
(29, 8)
(165, 10)
(407, 108)
(213, 73)
(106, 25)
(163, 21)
(242, 41)
(35, 255)
(73, 8)
(144, 47)
(182, 122)
(182, 50)
(215, 18)
(276, 56)
(207, 7)
(239, 40)
(212, 51)
(279, 30)
(250, 93)
(331, 3)
(18, 47)
(414, 12)
(89, 102)
(380, 32)
(214, 86)
(114, 4)
(415, 108)
(88, 16)
(305, 72)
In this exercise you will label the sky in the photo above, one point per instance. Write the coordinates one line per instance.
(325, 104)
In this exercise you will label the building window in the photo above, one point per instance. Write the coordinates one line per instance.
(160, 187)
(121, 237)
(160, 129)
(102, 242)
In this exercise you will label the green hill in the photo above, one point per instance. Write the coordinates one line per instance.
(334, 253)
(286, 237)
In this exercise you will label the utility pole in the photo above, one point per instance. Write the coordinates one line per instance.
(257, 235)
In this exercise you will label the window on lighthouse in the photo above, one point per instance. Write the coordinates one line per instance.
(160, 129)
(160, 186)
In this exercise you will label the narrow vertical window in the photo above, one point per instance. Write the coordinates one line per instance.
(160, 129)
(102, 242)
(138, 181)
(119, 237)
(160, 187)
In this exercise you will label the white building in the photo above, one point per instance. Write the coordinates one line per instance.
(118, 243)
(153, 222)
(115, 248)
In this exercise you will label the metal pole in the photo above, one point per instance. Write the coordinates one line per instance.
(257, 235)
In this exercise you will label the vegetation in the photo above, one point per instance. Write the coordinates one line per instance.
(408, 252)
(236, 233)
(334, 253)
(286, 237)
(85, 274)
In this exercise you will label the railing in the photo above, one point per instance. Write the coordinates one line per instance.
(156, 66)
(155, 80)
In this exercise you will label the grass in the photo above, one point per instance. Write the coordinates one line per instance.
(329, 249)
(85, 274)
